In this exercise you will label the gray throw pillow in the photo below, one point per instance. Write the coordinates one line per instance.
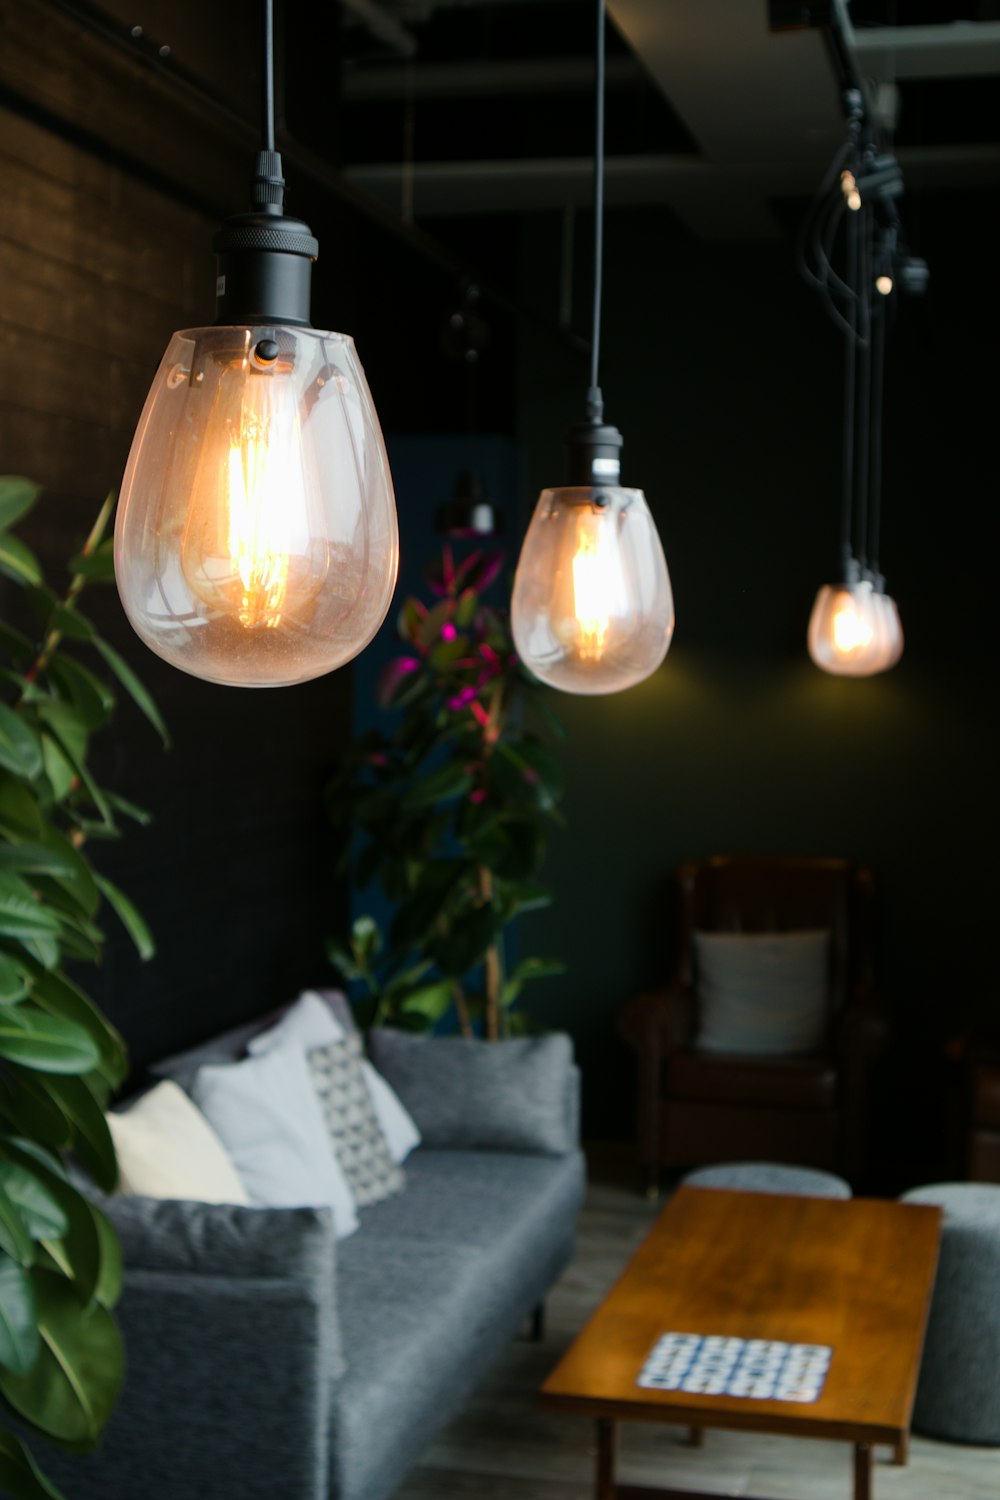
(763, 993)
(473, 1095)
(346, 1102)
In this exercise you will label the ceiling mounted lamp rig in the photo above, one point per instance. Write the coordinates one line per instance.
(855, 629)
(256, 542)
(469, 513)
(592, 609)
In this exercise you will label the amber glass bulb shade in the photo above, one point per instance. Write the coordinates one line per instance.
(846, 634)
(256, 542)
(892, 628)
(592, 609)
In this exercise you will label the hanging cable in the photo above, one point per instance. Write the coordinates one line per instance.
(595, 401)
(267, 106)
(877, 405)
(850, 369)
(864, 391)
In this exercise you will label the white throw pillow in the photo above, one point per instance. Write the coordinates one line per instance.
(764, 993)
(267, 1115)
(308, 1022)
(311, 1023)
(167, 1149)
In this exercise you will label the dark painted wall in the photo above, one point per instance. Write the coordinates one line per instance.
(100, 259)
(724, 377)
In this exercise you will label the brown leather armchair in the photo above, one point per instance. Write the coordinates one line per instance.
(698, 1107)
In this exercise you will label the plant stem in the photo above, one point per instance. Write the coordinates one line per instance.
(462, 1009)
(51, 642)
(491, 961)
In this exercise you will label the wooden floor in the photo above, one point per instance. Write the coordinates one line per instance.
(502, 1447)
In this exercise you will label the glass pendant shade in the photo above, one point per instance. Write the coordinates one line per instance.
(592, 609)
(892, 629)
(847, 634)
(256, 542)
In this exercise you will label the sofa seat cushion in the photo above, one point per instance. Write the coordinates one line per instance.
(431, 1289)
(785, 1082)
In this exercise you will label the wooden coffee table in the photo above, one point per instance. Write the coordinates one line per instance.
(853, 1275)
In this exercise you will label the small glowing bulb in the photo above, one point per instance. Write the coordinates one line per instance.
(883, 284)
(592, 609)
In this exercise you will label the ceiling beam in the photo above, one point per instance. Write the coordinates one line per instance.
(959, 50)
(465, 80)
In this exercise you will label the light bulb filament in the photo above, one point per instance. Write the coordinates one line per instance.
(592, 597)
(851, 631)
(259, 542)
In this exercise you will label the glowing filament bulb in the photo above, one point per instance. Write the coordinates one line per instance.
(256, 539)
(597, 593)
(592, 610)
(851, 630)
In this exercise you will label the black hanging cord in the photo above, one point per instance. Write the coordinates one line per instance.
(865, 379)
(595, 400)
(877, 403)
(850, 396)
(267, 99)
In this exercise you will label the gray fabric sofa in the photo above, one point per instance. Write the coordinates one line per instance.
(267, 1359)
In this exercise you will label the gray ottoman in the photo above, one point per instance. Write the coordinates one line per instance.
(958, 1394)
(769, 1177)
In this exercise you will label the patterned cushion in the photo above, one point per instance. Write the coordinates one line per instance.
(358, 1142)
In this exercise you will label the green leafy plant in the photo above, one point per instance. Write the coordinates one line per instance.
(60, 1265)
(447, 811)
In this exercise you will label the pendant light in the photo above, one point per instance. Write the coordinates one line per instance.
(855, 628)
(256, 542)
(592, 610)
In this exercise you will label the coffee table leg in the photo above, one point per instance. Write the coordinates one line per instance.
(607, 1444)
(862, 1471)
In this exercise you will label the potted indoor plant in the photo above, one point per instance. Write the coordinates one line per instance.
(60, 1264)
(447, 810)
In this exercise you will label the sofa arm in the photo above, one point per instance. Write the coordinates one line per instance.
(517, 1095)
(227, 1392)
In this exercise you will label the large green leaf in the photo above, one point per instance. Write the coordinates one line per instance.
(20, 1476)
(87, 694)
(17, 496)
(71, 1389)
(136, 691)
(19, 812)
(29, 858)
(92, 1139)
(20, 750)
(60, 997)
(19, 1341)
(15, 1240)
(13, 980)
(30, 1109)
(15, 643)
(40, 1212)
(130, 918)
(431, 1000)
(18, 561)
(47, 1043)
(98, 565)
(70, 623)
(21, 916)
(93, 1263)
(444, 784)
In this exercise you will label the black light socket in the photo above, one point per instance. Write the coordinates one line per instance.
(593, 455)
(470, 512)
(264, 257)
